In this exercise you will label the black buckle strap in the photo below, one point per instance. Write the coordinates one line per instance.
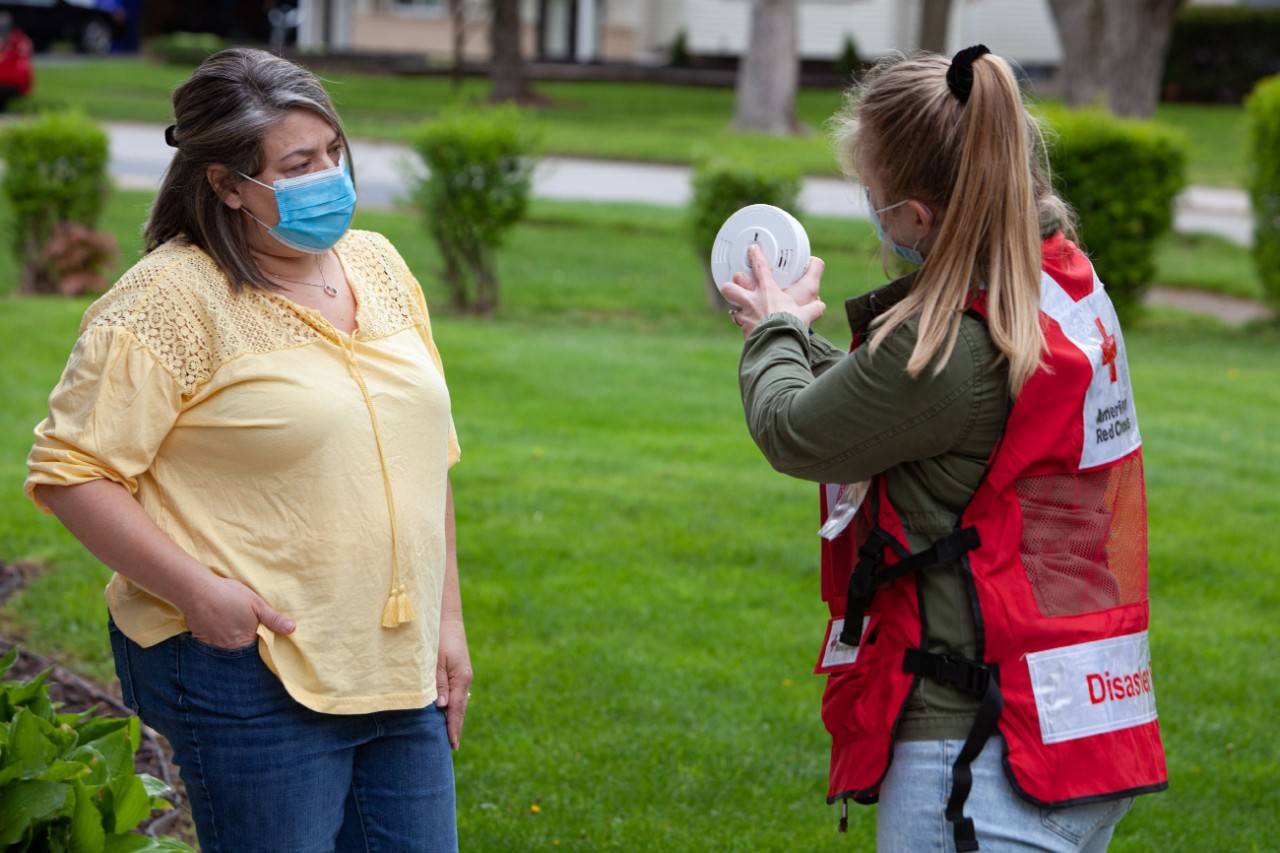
(948, 549)
(950, 670)
(870, 571)
(975, 677)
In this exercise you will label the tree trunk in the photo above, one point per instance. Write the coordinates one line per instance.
(769, 71)
(1116, 48)
(486, 276)
(934, 15)
(455, 279)
(458, 33)
(1136, 42)
(1081, 34)
(35, 277)
(506, 62)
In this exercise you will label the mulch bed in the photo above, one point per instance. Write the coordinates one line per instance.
(74, 694)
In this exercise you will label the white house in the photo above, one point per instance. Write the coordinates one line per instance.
(644, 30)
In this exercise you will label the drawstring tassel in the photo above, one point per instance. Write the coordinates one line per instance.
(398, 610)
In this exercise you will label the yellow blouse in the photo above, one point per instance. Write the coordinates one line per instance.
(309, 464)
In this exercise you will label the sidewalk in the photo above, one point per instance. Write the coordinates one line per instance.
(139, 157)
(385, 171)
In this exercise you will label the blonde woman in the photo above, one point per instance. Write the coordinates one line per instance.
(984, 552)
(253, 430)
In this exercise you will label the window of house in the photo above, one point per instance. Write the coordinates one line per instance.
(416, 5)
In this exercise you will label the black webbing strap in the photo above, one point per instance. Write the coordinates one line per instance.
(871, 572)
(862, 584)
(973, 677)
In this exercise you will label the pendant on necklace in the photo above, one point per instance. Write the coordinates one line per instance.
(330, 290)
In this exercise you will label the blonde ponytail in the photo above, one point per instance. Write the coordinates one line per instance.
(976, 165)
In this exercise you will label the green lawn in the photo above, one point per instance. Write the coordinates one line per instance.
(1207, 262)
(1216, 133)
(642, 591)
(635, 121)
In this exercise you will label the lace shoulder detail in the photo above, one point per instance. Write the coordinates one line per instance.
(178, 304)
(386, 282)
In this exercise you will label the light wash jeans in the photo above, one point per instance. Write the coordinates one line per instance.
(914, 795)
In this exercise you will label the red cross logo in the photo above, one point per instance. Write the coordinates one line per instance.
(1109, 350)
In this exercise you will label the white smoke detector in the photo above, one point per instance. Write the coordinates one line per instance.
(779, 234)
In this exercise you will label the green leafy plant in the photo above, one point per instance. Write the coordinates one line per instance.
(1263, 109)
(720, 187)
(480, 166)
(67, 781)
(186, 49)
(1122, 177)
(1218, 53)
(55, 172)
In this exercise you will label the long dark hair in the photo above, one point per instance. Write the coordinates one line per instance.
(222, 114)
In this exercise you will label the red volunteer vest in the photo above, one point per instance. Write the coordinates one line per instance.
(1053, 546)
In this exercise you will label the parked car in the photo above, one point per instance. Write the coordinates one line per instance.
(15, 61)
(90, 25)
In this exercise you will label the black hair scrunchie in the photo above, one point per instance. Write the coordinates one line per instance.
(960, 74)
(169, 138)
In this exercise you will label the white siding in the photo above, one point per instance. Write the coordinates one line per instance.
(1022, 30)
(824, 25)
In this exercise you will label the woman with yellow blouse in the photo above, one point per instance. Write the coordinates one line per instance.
(253, 431)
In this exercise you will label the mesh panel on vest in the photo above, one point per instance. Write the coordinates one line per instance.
(1084, 538)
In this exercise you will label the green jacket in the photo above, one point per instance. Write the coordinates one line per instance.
(822, 414)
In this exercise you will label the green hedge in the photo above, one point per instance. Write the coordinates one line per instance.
(1219, 53)
(1263, 111)
(186, 49)
(1122, 177)
(481, 168)
(55, 172)
(721, 187)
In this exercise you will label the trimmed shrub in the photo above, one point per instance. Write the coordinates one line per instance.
(849, 63)
(1122, 177)
(1263, 111)
(680, 57)
(481, 169)
(55, 173)
(721, 187)
(1218, 53)
(185, 49)
(67, 781)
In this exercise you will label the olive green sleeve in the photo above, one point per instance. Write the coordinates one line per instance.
(822, 354)
(863, 414)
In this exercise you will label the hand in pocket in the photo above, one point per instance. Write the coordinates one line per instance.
(226, 615)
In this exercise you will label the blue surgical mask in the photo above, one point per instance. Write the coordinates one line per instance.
(910, 254)
(315, 209)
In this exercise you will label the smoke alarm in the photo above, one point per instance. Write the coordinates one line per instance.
(779, 234)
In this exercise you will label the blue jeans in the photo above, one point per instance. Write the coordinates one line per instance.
(264, 773)
(913, 797)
